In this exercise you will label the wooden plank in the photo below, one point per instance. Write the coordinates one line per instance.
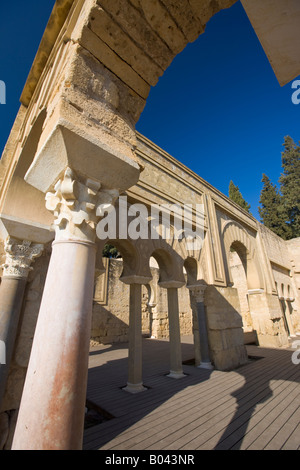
(214, 385)
(206, 434)
(285, 432)
(261, 416)
(175, 414)
(261, 419)
(293, 441)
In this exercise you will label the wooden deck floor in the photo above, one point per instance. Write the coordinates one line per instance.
(254, 407)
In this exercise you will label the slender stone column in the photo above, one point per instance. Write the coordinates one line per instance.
(135, 364)
(51, 415)
(176, 371)
(19, 257)
(198, 292)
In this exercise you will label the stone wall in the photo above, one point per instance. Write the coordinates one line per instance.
(276, 248)
(284, 258)
(267, 320)
(294, 252)
(225, 333)
(240, 283)
(111, 316)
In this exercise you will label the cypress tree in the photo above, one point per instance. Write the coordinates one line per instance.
(272, 211)
(236, 196)
(290, 184)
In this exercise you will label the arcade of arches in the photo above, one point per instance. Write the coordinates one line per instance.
(74, 145)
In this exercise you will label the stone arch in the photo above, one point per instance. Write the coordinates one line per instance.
(94, 114)
(166, 253)
(235, 236)
(129, 254)
(119, 50)
(169, 272)
(194, 271)
(191, 267)
(152, 294)
(144, 36)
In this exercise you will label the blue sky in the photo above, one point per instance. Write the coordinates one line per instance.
(218, 108)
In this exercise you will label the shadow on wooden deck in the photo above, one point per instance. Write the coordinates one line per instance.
(253, 406)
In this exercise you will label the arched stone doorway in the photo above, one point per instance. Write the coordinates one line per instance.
(244, 274)
(239, 278)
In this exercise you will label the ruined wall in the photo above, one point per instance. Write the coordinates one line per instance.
(275, 247)
(111, 315)
(160, 324)
(225, 334)
(240, 283)
(294, 252)
(284, 258)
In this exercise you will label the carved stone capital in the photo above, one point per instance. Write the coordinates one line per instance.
(19, 257)
(198, 291)
(78, 207)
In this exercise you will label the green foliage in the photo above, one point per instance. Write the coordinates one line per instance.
(280, 208)
(236, 196)
(290, 184)
(272, 211)
(110, 251)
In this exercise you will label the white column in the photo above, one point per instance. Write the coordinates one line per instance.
(19, 255)
(51, 415)
(176, 371)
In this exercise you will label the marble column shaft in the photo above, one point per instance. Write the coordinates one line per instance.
(51, 415)
(135, 361)
(19, 257)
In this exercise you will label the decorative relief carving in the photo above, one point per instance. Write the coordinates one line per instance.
(78, 207)
(19, 257)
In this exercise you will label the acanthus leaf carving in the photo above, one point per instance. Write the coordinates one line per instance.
(19, 257)
(78, 206)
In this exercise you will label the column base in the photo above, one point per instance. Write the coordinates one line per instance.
(205, 365)
(176, 375)
(134, 388)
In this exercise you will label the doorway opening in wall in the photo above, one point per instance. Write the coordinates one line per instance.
(238, 268)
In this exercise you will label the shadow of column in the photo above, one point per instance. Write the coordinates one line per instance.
(236, 430)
